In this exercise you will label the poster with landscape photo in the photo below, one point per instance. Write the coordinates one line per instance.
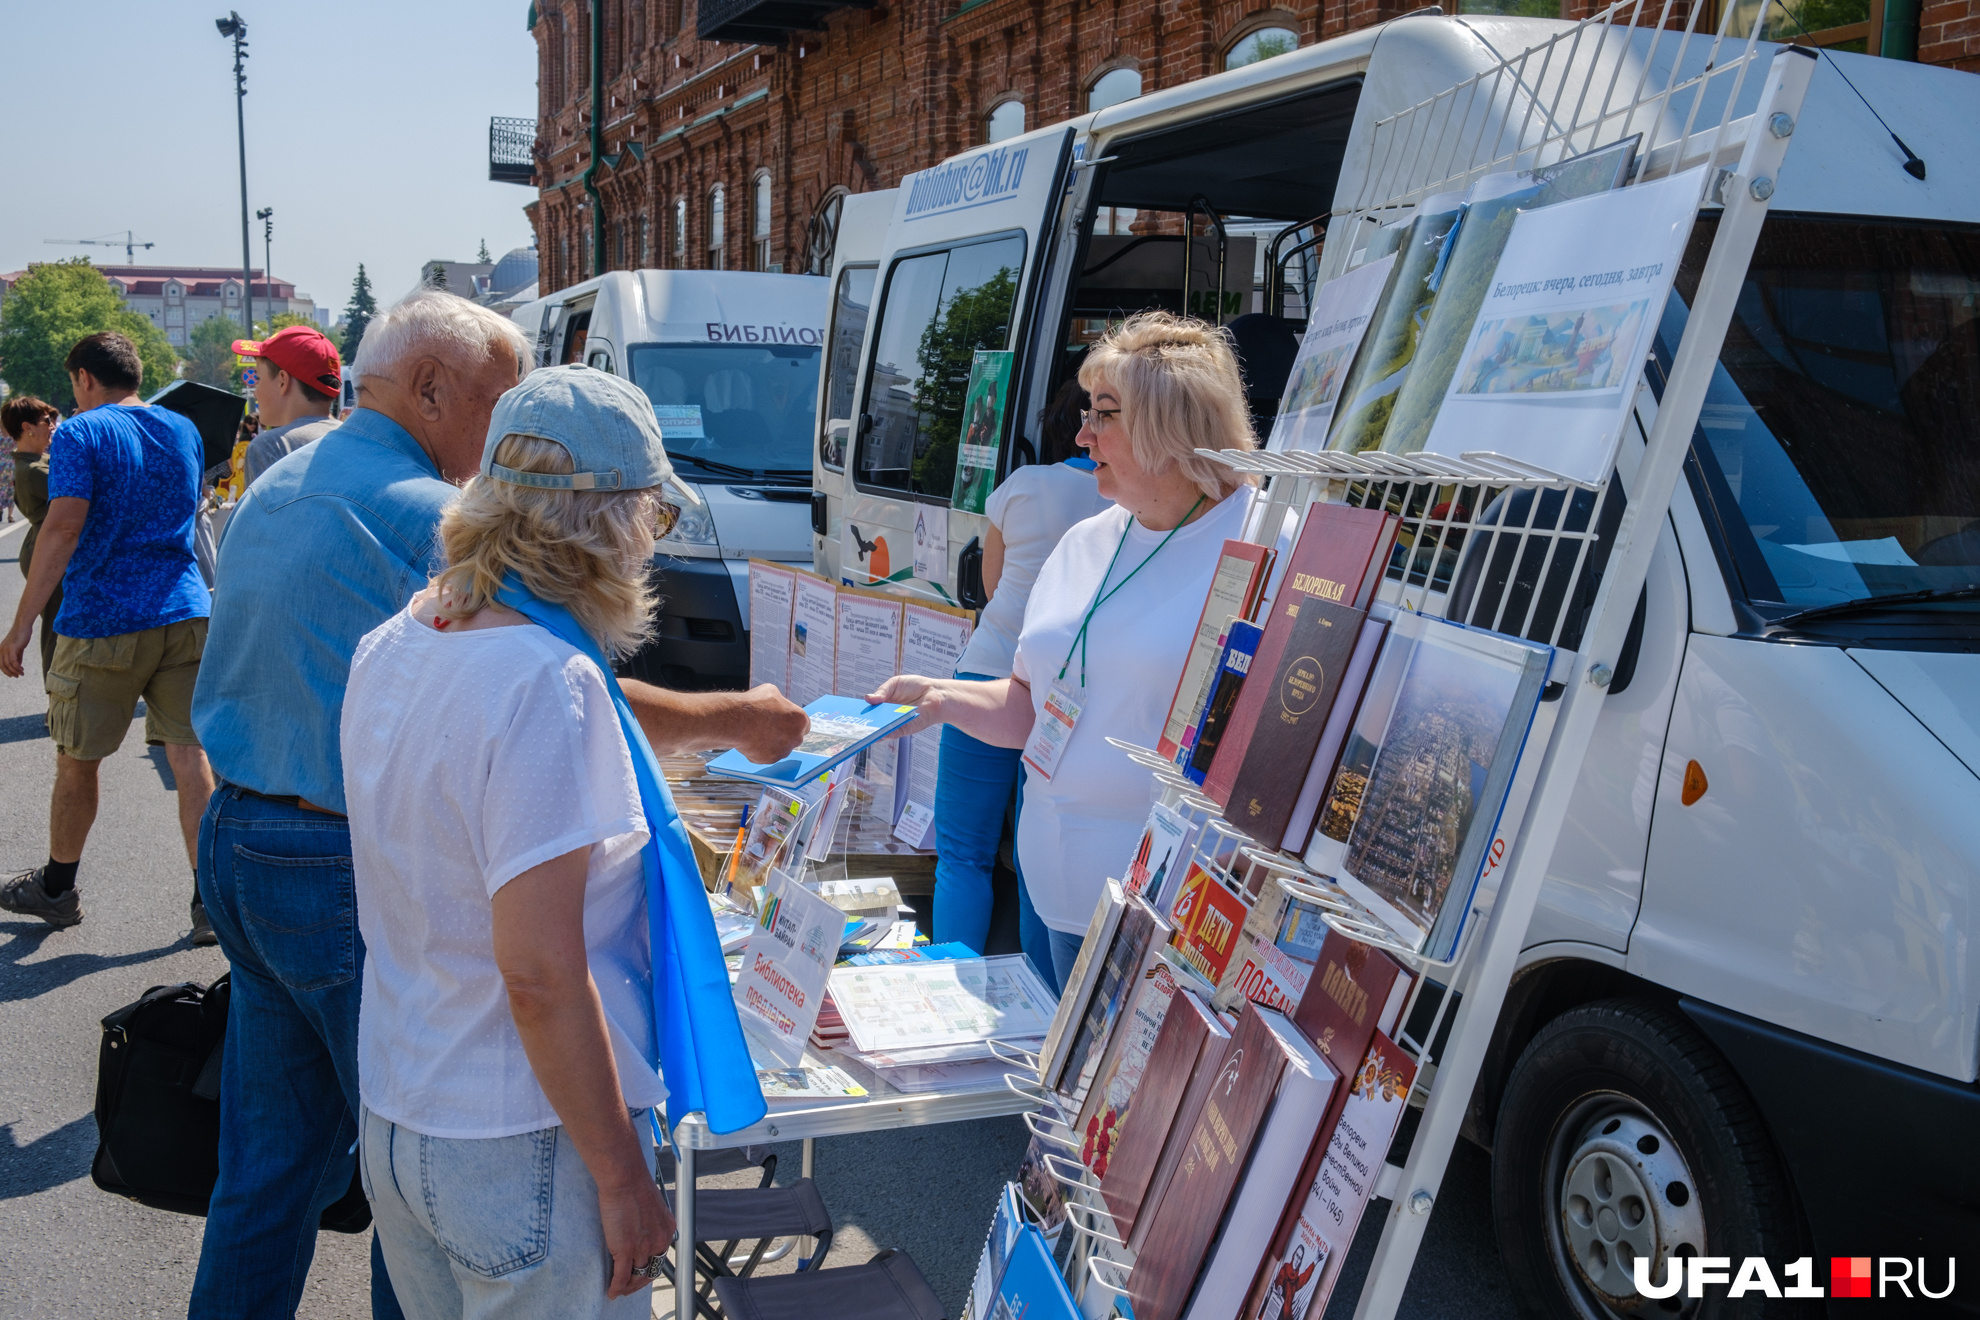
(984, 403)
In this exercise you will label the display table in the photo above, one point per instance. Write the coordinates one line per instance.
(884, 1109)
(712, 809)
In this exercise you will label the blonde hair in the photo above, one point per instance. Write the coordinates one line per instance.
(584, 550)
(1180, 392)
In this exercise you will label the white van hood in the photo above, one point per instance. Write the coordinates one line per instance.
(758, 522)
(1941, 689)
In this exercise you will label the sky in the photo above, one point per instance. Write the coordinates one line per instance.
(367, 132)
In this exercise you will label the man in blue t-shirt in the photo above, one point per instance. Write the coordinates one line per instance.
(123, 498)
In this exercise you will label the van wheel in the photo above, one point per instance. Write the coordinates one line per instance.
(1623, 1134)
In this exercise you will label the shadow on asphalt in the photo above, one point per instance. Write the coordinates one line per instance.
(23, 728)
(22, 981)
(165, 775)
(50, 1160)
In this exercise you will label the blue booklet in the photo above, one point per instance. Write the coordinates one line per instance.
(1233, 664)
(1031, 1288)
(841, 727)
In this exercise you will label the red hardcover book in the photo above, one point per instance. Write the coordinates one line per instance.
(1181, 1066)
(1340, 557)
(1182, 1224)
(1233, 592)
(1207, 917)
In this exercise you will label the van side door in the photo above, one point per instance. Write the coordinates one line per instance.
(965, 249)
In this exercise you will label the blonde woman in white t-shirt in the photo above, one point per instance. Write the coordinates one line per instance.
(1111, 615)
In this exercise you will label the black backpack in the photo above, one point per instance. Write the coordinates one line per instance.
(158, 1104)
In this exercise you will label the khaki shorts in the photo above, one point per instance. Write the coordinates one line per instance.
(95, 682)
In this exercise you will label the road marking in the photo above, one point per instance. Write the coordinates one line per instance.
(11, 528)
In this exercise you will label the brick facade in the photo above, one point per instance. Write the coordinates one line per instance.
(879, 93)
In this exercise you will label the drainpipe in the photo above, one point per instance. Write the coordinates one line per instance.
(597, 136)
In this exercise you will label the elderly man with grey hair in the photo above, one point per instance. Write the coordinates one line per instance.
(327, 544)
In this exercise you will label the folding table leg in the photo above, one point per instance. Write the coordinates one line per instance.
(684, 1272)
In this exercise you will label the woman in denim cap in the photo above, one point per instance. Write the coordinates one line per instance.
(507, 1024)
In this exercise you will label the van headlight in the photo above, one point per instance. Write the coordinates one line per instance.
(694, 527)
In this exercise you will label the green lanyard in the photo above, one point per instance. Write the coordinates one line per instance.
(1079, 638)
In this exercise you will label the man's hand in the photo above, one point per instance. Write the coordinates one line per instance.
(767, 726)
(759, 723)
(14, 648)
(638, 1226)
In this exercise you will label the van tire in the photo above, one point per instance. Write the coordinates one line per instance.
(1580, 1123)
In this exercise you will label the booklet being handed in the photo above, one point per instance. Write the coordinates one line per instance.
(840, 728)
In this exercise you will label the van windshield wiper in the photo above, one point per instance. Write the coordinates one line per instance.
(1864, 603)
(726, 469)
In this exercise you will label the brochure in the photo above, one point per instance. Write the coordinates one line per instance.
(984, 403)
(786, 965)
(807, 1088)
(771, 590)
(869, 643)
(919, 1004)
(1339, 319)
(840, 728)
(814, 631)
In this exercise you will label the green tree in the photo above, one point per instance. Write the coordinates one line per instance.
(482, 256)
(436, 274)
(57, 303)
(210, 358)
(975, 318)
(357, 314)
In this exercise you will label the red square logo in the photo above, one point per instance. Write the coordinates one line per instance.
(1849, 1276)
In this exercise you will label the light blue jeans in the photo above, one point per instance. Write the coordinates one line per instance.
(502, 1227)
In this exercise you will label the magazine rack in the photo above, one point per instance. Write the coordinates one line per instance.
(1582, 555)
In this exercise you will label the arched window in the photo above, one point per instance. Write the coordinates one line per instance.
(1114, 87)
(680, 231)
(717, 204)
(759, 226)
(1006, 121)
(645, 241)
(1262, 44)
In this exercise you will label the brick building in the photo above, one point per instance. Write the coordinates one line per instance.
(728, 153)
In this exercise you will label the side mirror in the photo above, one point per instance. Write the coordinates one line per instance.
(820, 523)
(969, 576)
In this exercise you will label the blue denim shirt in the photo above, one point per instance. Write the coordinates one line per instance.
(326, 545)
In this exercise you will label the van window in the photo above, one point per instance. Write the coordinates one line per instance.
(852, 302)
(938, 309)
(733, 410)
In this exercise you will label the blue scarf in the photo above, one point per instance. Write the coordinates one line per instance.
(703, 1057)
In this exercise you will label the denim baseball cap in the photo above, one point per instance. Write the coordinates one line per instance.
(605, 421)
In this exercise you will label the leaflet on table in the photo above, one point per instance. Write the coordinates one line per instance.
(1553, 360)
(807, 1087)
(814, 633)
(840, 727)
(771, 591)
(869, 642)
(786, 966)
(920, 1004)
(1339, 319)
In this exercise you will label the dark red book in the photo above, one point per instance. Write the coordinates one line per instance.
(1183, 1223)
(1189, 1047)
(1233, 593)
(1340, 557)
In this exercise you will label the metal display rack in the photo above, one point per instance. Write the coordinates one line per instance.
(1565, 559)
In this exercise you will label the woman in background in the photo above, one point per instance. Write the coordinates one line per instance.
(29, 424)
(1028, 514)
(1112, 612)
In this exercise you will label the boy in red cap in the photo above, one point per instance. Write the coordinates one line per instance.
(294, 391)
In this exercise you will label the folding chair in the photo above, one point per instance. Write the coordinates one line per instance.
(727, 1217)
(888, 1287)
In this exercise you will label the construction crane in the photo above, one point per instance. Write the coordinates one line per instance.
(127, 242)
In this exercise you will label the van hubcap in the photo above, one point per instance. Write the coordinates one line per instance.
(1622, 1192)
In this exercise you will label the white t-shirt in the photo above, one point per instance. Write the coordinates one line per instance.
(468, 759)
(1034, 507)
(1080, 827)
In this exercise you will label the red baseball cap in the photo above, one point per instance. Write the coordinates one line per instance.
(306, 354)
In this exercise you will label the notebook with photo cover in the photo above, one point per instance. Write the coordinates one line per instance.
(1160, 845)
(1078, 990)
(1181, 1065)
(1327, 755)
(1340, 556)
(841, 727)
(1424, 775)
(1128, 959)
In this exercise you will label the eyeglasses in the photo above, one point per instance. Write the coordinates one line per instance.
(665, 516)
(1098, 418)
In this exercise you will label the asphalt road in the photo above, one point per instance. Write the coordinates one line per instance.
(68, 1250)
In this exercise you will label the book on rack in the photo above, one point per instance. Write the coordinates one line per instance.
(1315, 677)
(1264, 972)
(1184, 1064)
(931, 1004)
(1271, 1177)
(1207, 917)
(1266, 1057)
(1032, 1287)
(1356, 991)
(841, 727)
(808, 1087)
(1129, 959)
(1233, 594)
(1298, 1274)
(1155, 855)
(1044, 1200)
(1078, 989)
(1109, 1098)
(1424, 775)
(1333, 735)
(1340, 557)
(1005, 1222)
(1240, 644)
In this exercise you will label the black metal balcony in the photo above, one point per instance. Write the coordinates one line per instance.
(765, 22)
(512, 151)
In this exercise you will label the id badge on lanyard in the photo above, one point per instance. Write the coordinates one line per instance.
(1052, 730)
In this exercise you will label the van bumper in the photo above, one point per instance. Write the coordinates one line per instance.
(1885, 1159)
(699, 642)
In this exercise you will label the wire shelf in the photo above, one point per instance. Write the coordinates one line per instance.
(1479, 467)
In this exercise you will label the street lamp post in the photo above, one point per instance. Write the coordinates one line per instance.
(267, 217)
(234, 28)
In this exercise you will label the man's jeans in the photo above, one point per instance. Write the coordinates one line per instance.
(277, 885)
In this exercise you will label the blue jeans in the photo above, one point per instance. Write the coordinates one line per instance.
(1034, 936)
(972, 792)
(493, 1228)
(1065, 952)
(276, 881)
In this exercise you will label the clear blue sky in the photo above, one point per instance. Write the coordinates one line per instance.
(367, 131)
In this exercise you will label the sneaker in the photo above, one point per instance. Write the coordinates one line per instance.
(24, 894)
(202, 929)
